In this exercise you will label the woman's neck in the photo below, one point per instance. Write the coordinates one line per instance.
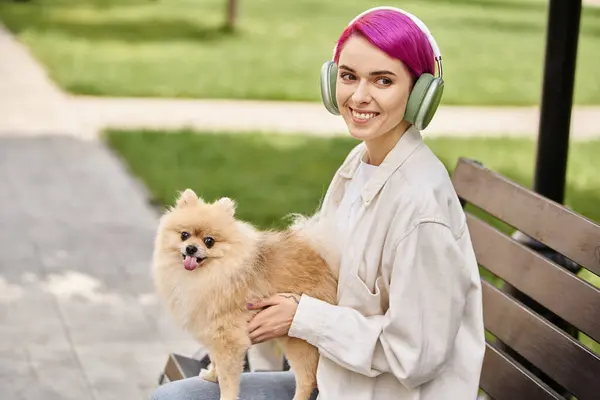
(378, 148)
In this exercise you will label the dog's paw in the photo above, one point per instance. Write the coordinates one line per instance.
(209, 375)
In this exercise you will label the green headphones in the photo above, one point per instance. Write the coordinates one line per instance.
(425, 96)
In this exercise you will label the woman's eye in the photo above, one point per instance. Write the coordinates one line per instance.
(209, 242)
(346, 76)
(185, 235)
(384, 81)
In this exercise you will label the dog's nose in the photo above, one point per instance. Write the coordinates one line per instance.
(191, 249)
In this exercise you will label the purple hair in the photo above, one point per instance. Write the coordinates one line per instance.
(396, 35)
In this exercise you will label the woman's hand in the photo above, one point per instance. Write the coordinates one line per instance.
(275, 320)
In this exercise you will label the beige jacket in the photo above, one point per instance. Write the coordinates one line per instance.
(409, 324)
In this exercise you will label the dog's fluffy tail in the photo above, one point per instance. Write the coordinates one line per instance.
(320, 234)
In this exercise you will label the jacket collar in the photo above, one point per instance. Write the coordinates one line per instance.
(408, 143)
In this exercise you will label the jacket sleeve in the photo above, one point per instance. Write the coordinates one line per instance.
(414, 338)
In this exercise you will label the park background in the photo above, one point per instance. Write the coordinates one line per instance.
(108, 108)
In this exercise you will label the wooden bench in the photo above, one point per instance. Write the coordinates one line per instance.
(534, 318)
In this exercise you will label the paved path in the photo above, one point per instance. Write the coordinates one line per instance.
(29, 102)
(78, 317)
(96, 114)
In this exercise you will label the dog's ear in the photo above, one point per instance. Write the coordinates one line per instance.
(227, 204)
(187, 198)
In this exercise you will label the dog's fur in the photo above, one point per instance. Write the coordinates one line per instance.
(243, 264)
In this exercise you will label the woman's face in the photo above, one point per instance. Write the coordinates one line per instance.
(372, 89)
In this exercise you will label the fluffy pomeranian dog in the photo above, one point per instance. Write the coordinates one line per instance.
(208, 265)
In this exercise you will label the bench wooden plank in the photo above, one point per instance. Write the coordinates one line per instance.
(504, 379)
(548, 222)
(563, 293)
(556, 354)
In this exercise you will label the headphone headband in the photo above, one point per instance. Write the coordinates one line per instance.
(434, 46)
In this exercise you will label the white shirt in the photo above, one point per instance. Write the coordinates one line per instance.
(352, 202)
(409, 323)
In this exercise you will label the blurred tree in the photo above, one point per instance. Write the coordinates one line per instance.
(231, 15)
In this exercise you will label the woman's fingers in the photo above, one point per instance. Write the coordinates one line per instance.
(257, 334)
(262, 303)
(260, 319)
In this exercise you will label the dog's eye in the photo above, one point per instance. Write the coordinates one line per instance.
(185, 235)
(209, 242)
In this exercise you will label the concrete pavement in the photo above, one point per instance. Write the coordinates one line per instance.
(95, 114)
(30, 103)
(79, 318)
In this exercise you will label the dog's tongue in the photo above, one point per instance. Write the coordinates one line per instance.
(190, 263)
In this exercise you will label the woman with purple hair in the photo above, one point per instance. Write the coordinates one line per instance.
(408, 324)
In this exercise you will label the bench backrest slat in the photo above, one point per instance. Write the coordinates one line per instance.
(530, 335)
(503, 379)
(548, 222)
(555, 353)
(557, 289)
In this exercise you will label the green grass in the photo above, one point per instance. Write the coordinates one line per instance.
(269, 176)
(273, 175)
(493, 50)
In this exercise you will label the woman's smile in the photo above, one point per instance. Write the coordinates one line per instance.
(361, 117)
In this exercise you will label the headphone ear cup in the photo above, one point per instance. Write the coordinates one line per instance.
(328, 80)
(430, 104)
(424, 100)
(415, 99)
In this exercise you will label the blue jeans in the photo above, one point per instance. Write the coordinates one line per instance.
(253, 386)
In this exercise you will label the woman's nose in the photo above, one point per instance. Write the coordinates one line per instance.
(362, 93)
